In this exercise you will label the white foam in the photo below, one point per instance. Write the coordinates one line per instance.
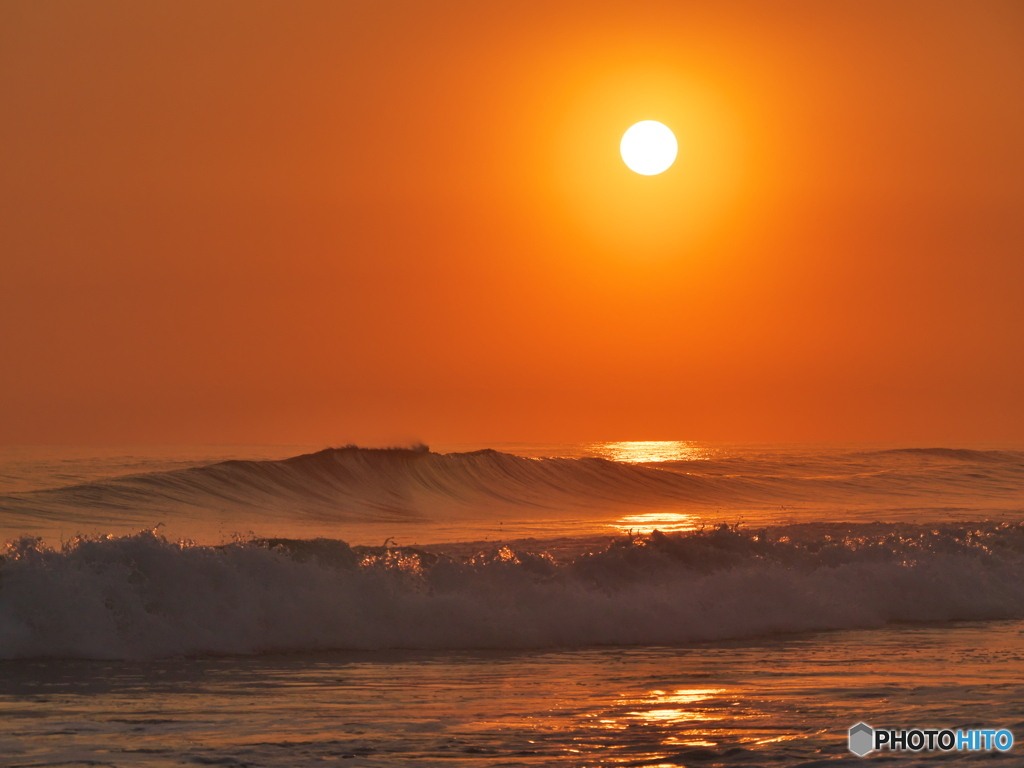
(143, 597)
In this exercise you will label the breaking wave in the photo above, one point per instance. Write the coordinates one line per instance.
(142, 596)
(395, 485)
(378, 484)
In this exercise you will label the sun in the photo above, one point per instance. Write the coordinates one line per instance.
(649, 147)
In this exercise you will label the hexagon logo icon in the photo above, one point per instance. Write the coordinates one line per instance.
(862, 739)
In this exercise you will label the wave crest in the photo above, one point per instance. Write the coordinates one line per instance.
(360, 485)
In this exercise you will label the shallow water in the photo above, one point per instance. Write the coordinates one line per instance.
(772, 701)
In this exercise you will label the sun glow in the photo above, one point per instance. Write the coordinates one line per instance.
(649, 147)
(625, 213)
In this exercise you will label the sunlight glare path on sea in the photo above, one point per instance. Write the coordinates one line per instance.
(666, 522)
(646, 451)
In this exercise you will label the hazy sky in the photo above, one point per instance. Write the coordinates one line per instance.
(383, 221)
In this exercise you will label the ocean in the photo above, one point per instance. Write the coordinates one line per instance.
(629, 603)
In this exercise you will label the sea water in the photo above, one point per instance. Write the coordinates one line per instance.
(597, 604)
(765, 701)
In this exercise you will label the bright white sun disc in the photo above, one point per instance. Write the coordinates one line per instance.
(649, 147)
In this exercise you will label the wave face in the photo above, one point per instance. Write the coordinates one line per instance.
(143, 597)
(378, 484)
(355, 485)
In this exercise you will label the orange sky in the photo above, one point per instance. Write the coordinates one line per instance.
(384, 221)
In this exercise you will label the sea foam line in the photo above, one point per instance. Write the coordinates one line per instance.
(142, 596)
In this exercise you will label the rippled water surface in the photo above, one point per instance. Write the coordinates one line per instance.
(779, 701)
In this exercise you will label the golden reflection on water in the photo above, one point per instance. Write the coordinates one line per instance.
(663, 714)
(687, 695)
(666, 522)
(669, 716)
(672, 740)
(643, 451)
(653, 451)
(661, 710)
(687, 717)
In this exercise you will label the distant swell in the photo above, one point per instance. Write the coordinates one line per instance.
(960, 454)
(144, 597)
